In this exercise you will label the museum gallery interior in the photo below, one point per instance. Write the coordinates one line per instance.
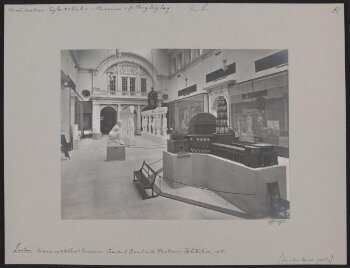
(174, 134)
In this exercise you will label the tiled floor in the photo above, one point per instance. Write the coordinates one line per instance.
(95, 189)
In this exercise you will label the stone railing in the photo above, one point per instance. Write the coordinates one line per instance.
(154, 122)
(101, 92)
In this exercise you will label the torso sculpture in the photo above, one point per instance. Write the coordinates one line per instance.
(115, 133)
(150, 124)
(145, 124)
(153, 125)
(164, 126)
(130, 130)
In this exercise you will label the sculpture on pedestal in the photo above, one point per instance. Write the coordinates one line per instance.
(145, 124)
(149, 124)
(164, 126)
(153, 126)
(115, 134)
(115, 146)
(155, 119)
(159, 124)
(130, 130)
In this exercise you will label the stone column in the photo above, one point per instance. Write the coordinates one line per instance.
(69, 135)
(176, 121)
(96, 129)
(164, 125)
(81, 118)
(145, 128)
(206, 103)
(149, 124)
(138, 120)
(156, 124)
(143, 123)
(128, 85)
(119, 84)
(153, 130)
(285, 110)
(159, 124)
(138, 85)
(116, 83)
(118, 112)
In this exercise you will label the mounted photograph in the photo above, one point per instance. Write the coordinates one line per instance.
(174, 134)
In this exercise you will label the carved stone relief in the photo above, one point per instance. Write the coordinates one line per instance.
(126, 64)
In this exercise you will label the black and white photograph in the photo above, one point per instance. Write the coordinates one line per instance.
(174, 134)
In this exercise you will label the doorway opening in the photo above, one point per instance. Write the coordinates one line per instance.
(108, 118)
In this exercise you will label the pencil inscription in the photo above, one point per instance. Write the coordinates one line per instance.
(62, 9)
(286, 259)
(21, 249)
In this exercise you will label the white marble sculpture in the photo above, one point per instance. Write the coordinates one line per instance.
(115, 134)
(159, 124)
(145, 124)
(164, 125)
(131, 130)
(153, 126)
(155, 119)
(128, 128)
(149, 124)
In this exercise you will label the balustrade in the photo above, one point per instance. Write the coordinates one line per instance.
(154, 122)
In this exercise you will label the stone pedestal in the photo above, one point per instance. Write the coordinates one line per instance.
(97, 135)
(177, 167)
(115, 151)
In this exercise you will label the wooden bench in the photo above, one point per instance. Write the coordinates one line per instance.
(144, 178)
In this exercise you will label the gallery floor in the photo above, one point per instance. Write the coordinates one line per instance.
(93, 188)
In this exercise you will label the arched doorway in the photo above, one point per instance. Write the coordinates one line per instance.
(108, 117)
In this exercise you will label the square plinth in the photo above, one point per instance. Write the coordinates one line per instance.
(115, 152)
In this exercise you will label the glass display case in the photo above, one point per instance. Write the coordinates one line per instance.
(182, 110)
(260, 111)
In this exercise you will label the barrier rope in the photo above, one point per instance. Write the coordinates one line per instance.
(203, 188)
